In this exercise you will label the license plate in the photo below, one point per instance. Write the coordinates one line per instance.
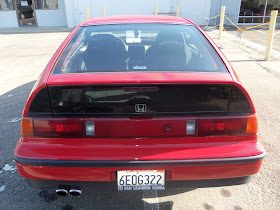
(141, 180)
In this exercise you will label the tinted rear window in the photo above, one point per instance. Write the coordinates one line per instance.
(123, 100)
(138, 47)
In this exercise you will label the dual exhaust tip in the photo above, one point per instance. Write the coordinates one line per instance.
(65, 190)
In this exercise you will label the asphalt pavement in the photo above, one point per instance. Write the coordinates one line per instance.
(23, 56)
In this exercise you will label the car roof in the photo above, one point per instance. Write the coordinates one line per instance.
(136, 19)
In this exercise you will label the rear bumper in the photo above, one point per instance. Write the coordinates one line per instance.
(98, 160)
(105, 171)
(112, 186)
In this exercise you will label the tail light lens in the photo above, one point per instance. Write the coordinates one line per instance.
(52, 127)
(202, 126)
(191, 127)
(90, 128)
(56, 127)
(252, 124)
(222, 126)
(26, 127)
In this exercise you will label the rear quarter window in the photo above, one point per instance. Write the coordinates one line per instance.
(138, 48)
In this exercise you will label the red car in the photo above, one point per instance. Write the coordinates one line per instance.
(138, 103)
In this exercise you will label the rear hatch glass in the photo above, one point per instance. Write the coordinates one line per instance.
(138, 48)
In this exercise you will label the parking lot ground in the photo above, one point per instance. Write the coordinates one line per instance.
(258, 35)
(22, 59)
(34, 29)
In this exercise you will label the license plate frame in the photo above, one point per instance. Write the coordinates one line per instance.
(129, 180)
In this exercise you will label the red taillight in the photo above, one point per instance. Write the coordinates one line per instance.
(52, 127)
(57, 127)
(209, 126)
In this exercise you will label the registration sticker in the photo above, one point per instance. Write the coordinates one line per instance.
(141, 180)
(139, 67)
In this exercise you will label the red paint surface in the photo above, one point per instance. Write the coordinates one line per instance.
(136, 19)
(139, 78)
(147, 149)
(109, 174)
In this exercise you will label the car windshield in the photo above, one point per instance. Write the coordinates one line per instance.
(138, 48)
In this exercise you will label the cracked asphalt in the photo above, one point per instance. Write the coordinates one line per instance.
(22, 59)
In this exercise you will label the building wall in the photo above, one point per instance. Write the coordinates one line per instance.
(73, 12)
(128, 7)
(196, 10)
(121, 7)
(52, 17)
(8, 19)
(232, 11)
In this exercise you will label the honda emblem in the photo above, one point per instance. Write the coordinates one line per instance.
(140, 108)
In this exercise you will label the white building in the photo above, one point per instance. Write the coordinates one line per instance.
(15, 13)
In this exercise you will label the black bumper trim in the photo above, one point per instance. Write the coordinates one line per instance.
(148, 163)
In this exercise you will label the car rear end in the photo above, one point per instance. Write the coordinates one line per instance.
(134, 121)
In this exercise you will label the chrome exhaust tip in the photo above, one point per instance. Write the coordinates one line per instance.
(75, 192)
(61, 192)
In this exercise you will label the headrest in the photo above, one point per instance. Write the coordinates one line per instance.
(106, 43)
(168, 36)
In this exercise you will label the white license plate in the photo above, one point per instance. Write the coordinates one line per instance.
(141, 180)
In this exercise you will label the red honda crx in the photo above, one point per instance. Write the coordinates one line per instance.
(138, 103)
